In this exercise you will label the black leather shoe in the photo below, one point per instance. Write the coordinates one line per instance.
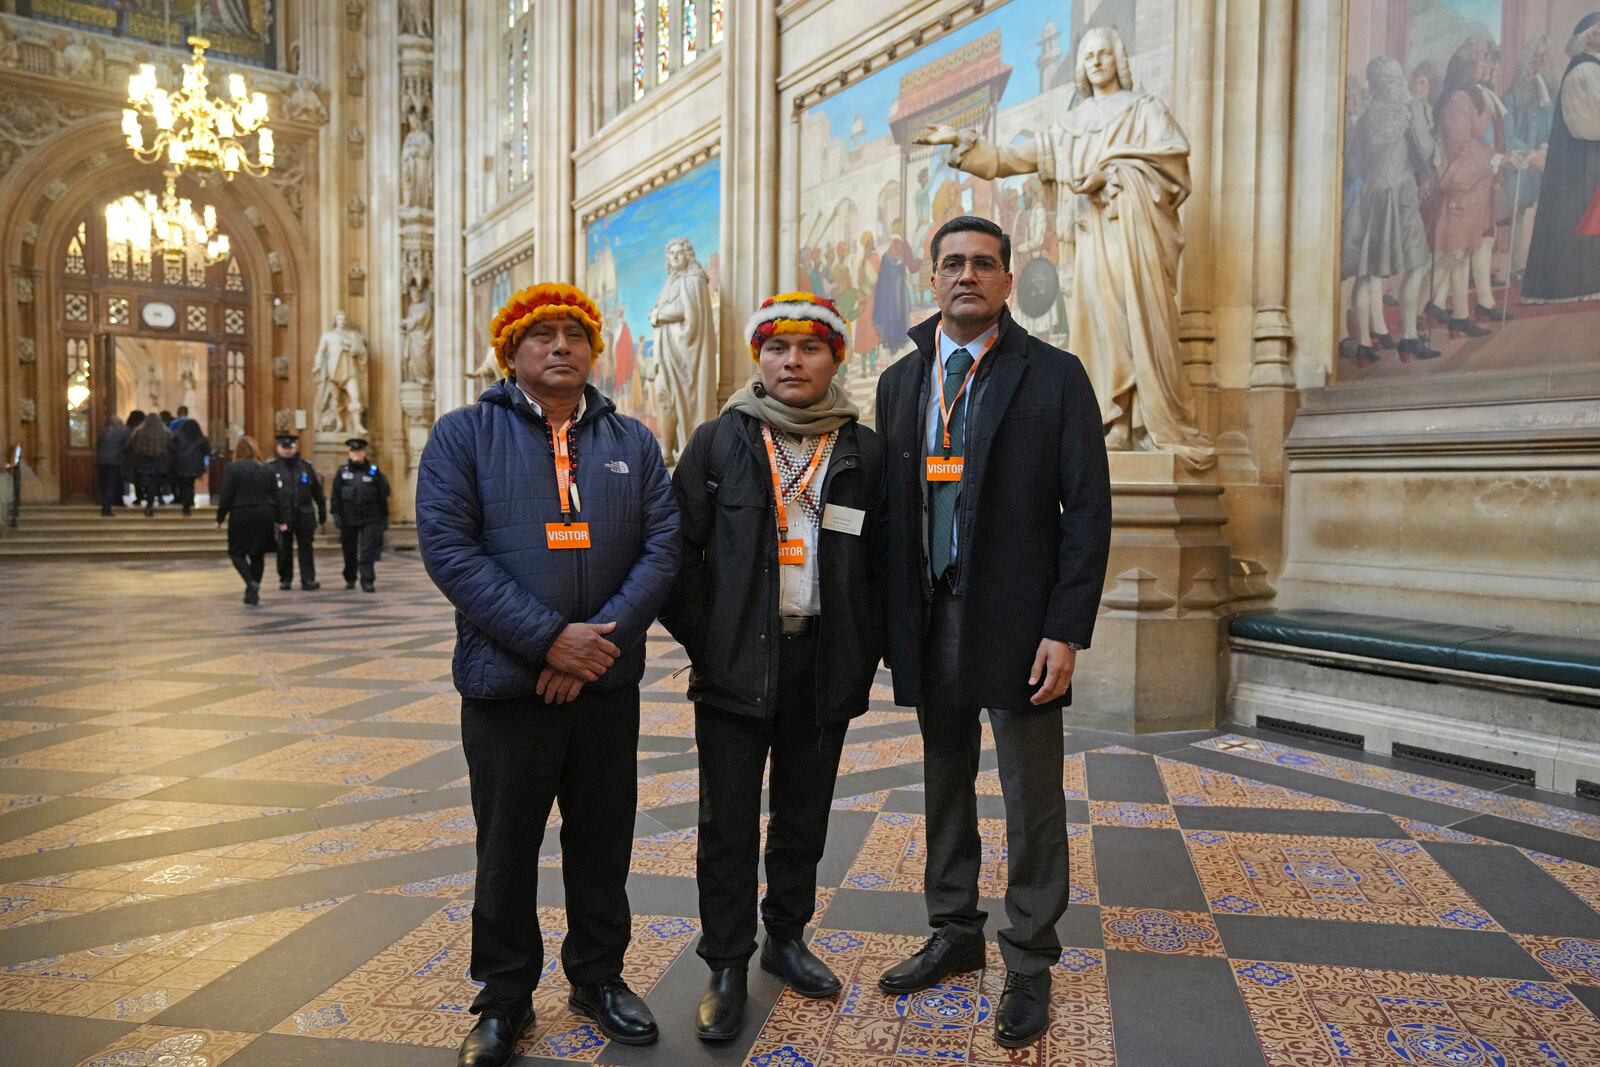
(721, 1011)
(1468, 328)
(617, 1010)
(368, 587)
(252, 593)
(492, 1040)
(936, 958)
(310, 586)
(286, 586)
(349, 585)
(1024, 1011)
(792, 961)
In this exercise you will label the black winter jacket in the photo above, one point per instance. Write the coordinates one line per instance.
(724, 606)
(112, 448)
(360, 495)
(299, 490)
(1034, 518)
(189, 455)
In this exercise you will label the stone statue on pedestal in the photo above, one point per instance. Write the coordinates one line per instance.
(684, 369)
(416, 365)
(1118, 165)
(416, 167)
(340, 371)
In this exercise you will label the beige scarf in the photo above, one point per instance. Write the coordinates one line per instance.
(826, 415)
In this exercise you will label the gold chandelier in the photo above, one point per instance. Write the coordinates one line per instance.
(168, 224)
(194, 130)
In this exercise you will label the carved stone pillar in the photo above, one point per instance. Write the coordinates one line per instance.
(750, 133)
(1273, 333)
(1197, 331)
(415, 161)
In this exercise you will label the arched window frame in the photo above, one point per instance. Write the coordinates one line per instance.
(660, 38)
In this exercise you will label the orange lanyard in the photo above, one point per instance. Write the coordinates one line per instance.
(563, 451)
(938, 360)
(777, 479)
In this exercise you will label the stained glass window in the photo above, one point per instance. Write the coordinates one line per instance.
(663, 40)
(716, 21)
(76, 263)
(78, 392)
(527, 92)
(691, 31)
(511, 14)
(638, 49)
(511, 110)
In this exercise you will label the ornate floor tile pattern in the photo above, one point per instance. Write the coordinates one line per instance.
(951, 1022)
(1303, 877)
(1481, 801)
(1312, 1016)
(287, 674)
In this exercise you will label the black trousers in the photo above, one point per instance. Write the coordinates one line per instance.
(362, 545)
(110, 485)
(250, 563)
(1029, 745)
(183, 490)
(522, 755)
(302, 531)
(805, 761)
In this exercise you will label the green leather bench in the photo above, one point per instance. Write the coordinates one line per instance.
(1538, 660)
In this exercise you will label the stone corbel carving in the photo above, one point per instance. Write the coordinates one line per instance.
(280, 368)
(355, 78)
(10, 51)
(354, 12)
(27, 410)
(280, 311)
(305, 103)
(26, 353)
(30, 232)
(24, 290)
(355, 212)
(283, 421)
(56, 189)
(77, 61)
(356, 280)
(275, 261)
(356, 140)
(252, 215)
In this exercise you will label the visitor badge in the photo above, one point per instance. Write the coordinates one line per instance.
(843, 520)
(792, 553)
(944, 468)
(566, 534)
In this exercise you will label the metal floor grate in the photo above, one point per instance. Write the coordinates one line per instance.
(1314, 733)
(1465, 763)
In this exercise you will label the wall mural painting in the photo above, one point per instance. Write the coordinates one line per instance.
(654, 268)
(871, 198)
(245, 30)
(1470, 235)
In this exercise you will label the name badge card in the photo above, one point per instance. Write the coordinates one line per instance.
(792, 553)
(566, 535)
(944, 468)
(844, 520)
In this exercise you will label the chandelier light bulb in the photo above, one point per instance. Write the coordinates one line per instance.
(193, 130)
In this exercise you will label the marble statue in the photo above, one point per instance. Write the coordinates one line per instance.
(684, 370)
(189, 396)
(340, 371)
(416, 167)
(416, 364)
(1118, 165)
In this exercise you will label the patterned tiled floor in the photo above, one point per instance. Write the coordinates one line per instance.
(244, 837)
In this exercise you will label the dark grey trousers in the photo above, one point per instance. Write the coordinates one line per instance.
(1029, 746)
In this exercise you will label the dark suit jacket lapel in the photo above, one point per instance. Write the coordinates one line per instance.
(1003, 376)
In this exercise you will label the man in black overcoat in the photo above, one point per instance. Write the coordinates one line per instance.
(998, 513)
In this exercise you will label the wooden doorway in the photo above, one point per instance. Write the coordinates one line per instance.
(147, 331)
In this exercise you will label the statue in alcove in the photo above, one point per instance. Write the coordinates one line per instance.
(339, 369)
(1118, 166)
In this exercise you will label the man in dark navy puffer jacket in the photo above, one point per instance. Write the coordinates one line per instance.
(548, 521)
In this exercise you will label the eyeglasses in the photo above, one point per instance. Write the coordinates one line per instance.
(955, 266)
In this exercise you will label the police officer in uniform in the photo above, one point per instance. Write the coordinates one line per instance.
(361, 511)
(301, 509)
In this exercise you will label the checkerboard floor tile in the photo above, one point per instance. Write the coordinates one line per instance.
(147, 868)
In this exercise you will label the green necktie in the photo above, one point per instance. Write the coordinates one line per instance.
(942, 496)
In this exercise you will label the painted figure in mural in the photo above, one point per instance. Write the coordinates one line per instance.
(340, 371)
(1383, 235)
(865, 339)
(1120, 165)
(1465, 208)
(1530, 110)
(1564, 258)
(684, 370)
(891, 300)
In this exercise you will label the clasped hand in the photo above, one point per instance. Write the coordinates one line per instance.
(580, 653)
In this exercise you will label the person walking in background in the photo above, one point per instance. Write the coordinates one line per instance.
(361, 512)
(301, 509)
(779, 606)
(249, 506)
(136, 419)
(191, 455)
(998, 517)
(150, 448)
(110, 456)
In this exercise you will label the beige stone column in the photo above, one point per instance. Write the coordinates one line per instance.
(1273, 334)
(1197, 330)
(452, 172)
(555, 227)
(750, 132)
